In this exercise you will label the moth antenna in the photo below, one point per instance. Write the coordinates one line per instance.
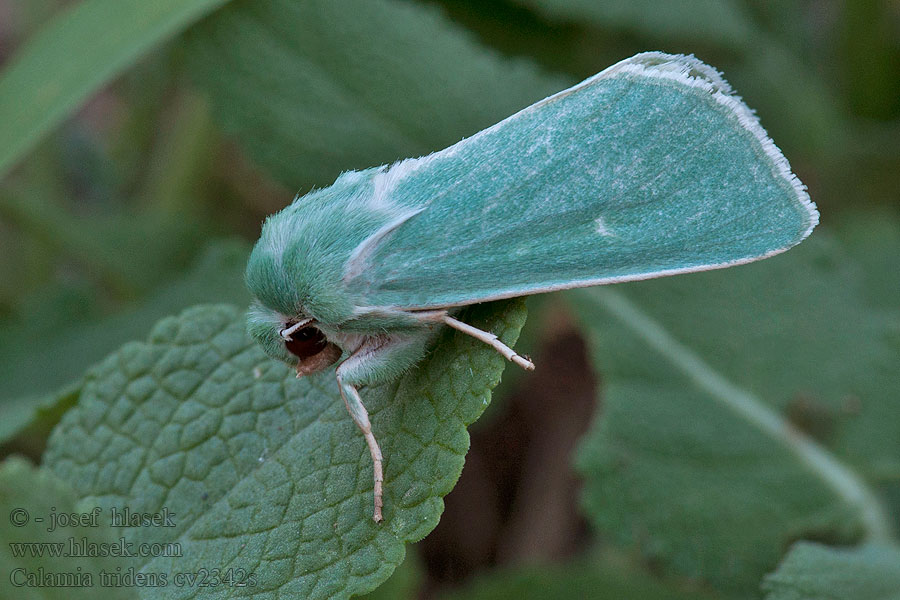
(286, 332)
(491, 340)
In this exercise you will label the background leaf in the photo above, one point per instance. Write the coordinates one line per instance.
(584, 580)
(727, 23)
(872, 239)
(28, 494)
(30, 364)
(256, 464)
(351, 84)
(816, 572)
(74, 54)
(30, 367)
(698, 459)
(404, 583)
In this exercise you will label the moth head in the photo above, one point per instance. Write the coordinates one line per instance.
(294, 340)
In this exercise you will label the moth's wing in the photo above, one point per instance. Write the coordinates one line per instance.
(649, 168)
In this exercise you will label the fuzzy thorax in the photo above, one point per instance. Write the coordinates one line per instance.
(299, 264)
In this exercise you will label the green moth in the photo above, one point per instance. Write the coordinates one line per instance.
(650, 168)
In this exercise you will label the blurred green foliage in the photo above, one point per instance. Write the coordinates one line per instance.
(23, 485)
(868, 572)
(137, 145)
(725, 490)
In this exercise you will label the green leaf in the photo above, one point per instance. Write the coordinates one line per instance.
(30, 364)
(603, 580)
(699, 459)
(318, 87)
(39, 549)
(265, 472)
(76, 53)
(816, 572)
(872, 237)
(404, 583)
(727, 23)
(30, 367)
(33, 417)
(129, 252)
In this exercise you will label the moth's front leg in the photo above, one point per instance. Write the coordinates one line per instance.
(361, 417)
(379, 358)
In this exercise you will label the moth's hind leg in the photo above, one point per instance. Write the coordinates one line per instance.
(378, 358)
(489, 339)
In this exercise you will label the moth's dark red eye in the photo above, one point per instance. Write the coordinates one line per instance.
(306, 342)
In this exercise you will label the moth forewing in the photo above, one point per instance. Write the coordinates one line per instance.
(647, 169)
(650, 168)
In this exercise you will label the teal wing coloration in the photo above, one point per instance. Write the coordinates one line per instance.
(650, 168)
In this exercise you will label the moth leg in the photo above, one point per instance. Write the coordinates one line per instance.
(491, 340)
(360, 415)
(377, 359)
